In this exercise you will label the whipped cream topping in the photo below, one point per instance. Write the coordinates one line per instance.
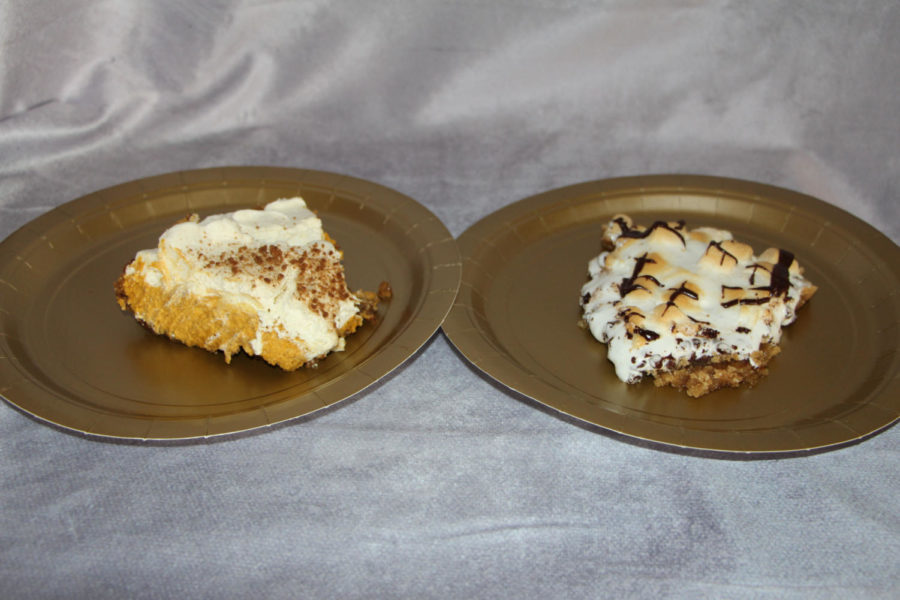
(664, 297)
(278, 261)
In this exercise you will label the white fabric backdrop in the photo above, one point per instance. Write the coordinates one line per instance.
(437, 482)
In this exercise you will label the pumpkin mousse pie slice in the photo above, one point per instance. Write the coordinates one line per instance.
(269, 282)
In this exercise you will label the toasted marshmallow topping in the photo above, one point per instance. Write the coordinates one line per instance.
(664, 297)
(277, 260)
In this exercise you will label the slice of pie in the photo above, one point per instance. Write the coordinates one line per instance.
(269, 282)
(693, 309)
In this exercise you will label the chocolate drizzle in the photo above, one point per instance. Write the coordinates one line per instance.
(779, 281)
(682, 290)
(628, 284)
(646, 334)
(628, 232)
(628, 314)
(725, 253)
(781, 276)
(739, 301)
(753, 269)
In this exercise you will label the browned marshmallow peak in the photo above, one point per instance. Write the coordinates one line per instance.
(666, 298)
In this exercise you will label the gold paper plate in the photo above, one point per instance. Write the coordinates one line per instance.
(836, 380)
(69, 356)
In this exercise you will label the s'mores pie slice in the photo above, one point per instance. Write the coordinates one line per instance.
(694, 309)
(269, 282)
